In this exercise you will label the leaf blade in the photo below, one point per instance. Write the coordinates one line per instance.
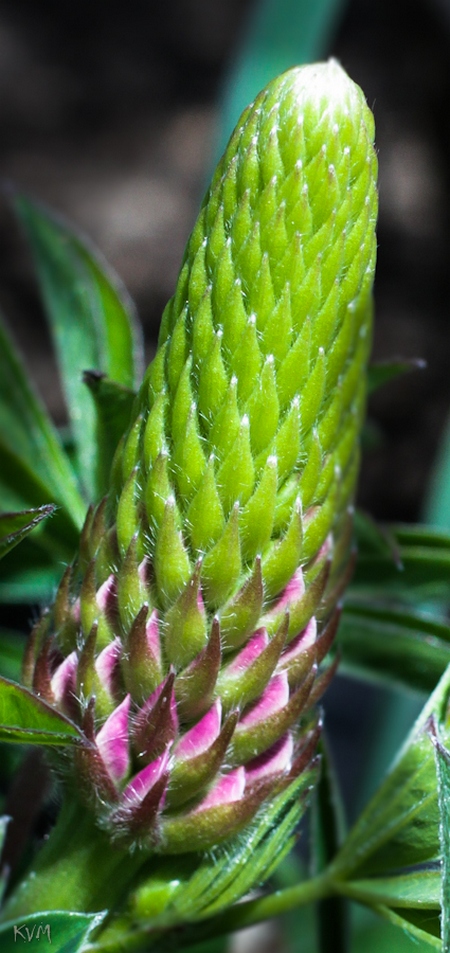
(68, 931)
(24, 718)
(91, 324)
(14, 527)
(30, 446)
(398, 646)
(399, 827)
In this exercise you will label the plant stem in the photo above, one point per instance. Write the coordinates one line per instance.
(78, 869)
(239, 917)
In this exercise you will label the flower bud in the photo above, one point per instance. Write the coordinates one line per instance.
(189, 649)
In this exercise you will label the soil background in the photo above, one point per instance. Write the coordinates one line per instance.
(108, 114)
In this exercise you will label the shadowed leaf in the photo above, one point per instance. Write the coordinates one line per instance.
(91, 320)
(26, 718)
(14, 527)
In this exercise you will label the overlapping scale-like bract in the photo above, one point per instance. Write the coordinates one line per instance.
(187, 637)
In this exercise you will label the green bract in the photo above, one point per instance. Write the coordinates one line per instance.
(185, 639)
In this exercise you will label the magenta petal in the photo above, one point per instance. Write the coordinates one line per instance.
(277, 760)
(202, 735)
(230, 787)
(106, 595)
(142, 783)
(112, 741)
(106, 664)
(76, 611)
(153, 639)
(255, 645)
(64, 679)
(272, 700)
(293, 591)
(303, 641)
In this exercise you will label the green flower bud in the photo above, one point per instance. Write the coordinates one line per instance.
(203, 601)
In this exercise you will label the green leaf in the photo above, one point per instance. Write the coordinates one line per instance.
(384, 371)
(15, 526)
(27, 719)
(420, 924)
(443, 774)
(113, 404)
(402, 646)
(63, 932)
(420, 890)
(11, 652)
(92, 323)
(416, 569)
(399, 827)
(33, 466)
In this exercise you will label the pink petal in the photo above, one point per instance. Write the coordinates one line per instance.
(112, 741)
(153, 638)
(255, 645)
(230, 787)
(277, 760)
(272, 700)
(76, 610)
(303, 641)
(106, 664)
(141, 784)
(64, 680)
(106, 595)
(202, 735)
(293, 591)
(326, 548)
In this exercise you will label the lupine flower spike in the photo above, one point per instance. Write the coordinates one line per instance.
(187, 637)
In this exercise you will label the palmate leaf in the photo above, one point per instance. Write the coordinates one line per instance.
(410, 902)
(14, 527)
(26, 718)
(422, 925)
(419, 890)
(398, 645)
(399, 828)
(413, 567)
(92, 323)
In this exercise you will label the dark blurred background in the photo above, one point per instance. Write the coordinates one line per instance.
(109, 114)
